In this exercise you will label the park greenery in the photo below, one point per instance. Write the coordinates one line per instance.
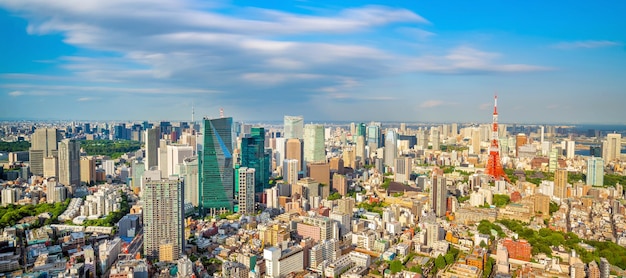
(14, 146)
(113, 217)
(12, 214)
(334, 196)
(376, 207)
(485, 227)
(114, 149)
(462, 199)
(542, 241)
(501, 200)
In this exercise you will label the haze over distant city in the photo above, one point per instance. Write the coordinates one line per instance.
(428, 61)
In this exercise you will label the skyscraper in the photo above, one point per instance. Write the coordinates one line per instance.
(612, 147)
(163, 216)
(189, 172)
(152, 147)
(290, 171)
(175, 156)
(294, 127)
(294, 151)
(253, 155)
(314, 148)
(43, 144)
(436, 139)
(391, 147)
(87, 170)
(69, 163)
(216, 165)
(373, 136)
(595, 171)
(520, 140)
(560, 184)
(439, 195)
(244, 187)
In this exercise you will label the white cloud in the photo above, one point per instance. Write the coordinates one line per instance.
(83, 99)
(466, 59)
(16, 93)
(586, 44)
(172, 47)
(431, 103)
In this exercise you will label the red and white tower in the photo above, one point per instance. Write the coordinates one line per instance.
(494, 165)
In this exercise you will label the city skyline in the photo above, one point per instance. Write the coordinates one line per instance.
(359, 61)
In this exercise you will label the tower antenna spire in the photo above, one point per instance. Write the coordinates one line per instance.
(494, 164)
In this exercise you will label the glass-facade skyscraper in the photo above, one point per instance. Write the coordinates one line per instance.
(253, 155)
(294, 127)
(216, 166)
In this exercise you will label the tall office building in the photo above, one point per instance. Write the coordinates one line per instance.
(612, 147)
(294, 127)
(360, 147)
(51, 167)
(438, 195)
(294, 151)
(162, 157)
(520, 140)
(361, 130)
(244, 188)
(314, 148)
(403, 169)
(253, 155)
(475, 141)
(290, 171)
(374, 136)
(152, 137)
(176, 154)
(435, 138)
(570, 148)
(189, 172)
(560, 184)
(422, 139)
(216, 165)
(391, 147)
(595, 171)
(69, 163)
(43, 144)
(87, 170)
(163, 217)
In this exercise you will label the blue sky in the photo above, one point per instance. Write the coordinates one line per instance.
(432, 61)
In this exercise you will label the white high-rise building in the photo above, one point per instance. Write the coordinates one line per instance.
(294, 127)
(570, 148)
(391, 147)
(109, 167)
(163, 216)
(612, 147)
(176, 155)
(244, 186)
(314, 148)
(290, 171)
(595, 171)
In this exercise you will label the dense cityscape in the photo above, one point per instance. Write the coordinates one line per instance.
(220, 198)
(312, 139)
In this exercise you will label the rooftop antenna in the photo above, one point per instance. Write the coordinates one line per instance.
(221, 112)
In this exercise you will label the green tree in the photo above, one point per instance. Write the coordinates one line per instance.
(440, 262)
(334, 196)
(395, 266)
(449, 258)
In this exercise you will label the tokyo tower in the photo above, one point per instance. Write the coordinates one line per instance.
(494, 165)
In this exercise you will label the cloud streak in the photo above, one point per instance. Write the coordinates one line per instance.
(171, 47)
(586, 44)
